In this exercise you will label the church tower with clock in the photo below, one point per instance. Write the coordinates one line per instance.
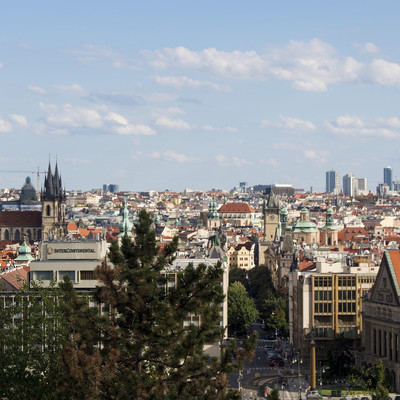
(271, 217)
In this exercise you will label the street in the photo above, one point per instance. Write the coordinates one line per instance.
(258, 374)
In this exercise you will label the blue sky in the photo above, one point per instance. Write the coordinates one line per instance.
(182, 94)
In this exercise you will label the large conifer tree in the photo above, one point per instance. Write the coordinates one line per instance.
(143, 349)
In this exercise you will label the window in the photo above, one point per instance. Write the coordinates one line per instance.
(42, 275)
(87, 275)
(70, 274)
(48, 210)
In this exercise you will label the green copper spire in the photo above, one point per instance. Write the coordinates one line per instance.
(125, 226)
(24, 252)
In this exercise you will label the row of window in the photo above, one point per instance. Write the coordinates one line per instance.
(326, 308)
(59, 275)
(327, 295)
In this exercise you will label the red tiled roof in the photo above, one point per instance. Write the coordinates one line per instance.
(16, 278)
(21, 218)
(306, 265)
(71, 226)
(236, 208)
(395, 257)
(353, 234)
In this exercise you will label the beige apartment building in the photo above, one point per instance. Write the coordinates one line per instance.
(327, 302)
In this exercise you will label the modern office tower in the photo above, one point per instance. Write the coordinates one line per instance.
(362, 184)
(387, 177)
(332, 181)
(350, 185)
(112, 187)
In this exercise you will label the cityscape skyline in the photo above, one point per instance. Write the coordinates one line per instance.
(157, 96)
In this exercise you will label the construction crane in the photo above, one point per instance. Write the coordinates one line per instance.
(38, 172)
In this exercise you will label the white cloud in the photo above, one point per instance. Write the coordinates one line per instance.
(318, 156)
(384, 73)
(355, 126)
(73, 88)
(210, 128)
(367, 48)
(273, 162)
(67, 119)
(19, 119)
(310, 66)
(168, 155)
(1, 65)
(37, 89)
(290, 124)
(94, 50)
(5, 126)
(233, 161)
(180, 82)
(169, 123)
(171, 155)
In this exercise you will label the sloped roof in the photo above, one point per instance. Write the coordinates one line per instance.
(395, 260)
(16, 278)
(21, 218)
(236, 208)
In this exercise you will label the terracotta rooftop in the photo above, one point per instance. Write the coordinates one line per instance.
(16, 278)
(236, 208)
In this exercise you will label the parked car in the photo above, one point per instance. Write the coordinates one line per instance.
(276, 361)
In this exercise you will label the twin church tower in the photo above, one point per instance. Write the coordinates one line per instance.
(53, 206)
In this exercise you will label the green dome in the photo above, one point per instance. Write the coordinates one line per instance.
(24, 252)
(304, 226)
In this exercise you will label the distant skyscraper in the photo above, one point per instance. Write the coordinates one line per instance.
(332, 181)
(387, 177)
(112, 187)
(362, 184)
(349, 185)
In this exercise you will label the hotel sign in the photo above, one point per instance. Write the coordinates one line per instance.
(71, 251)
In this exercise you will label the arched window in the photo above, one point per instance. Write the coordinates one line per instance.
(29, 233)
(48, 210)
(6, 235)
(39, 234)
(17, 235)
(329, 241)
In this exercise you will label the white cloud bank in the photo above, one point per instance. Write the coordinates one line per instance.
(68, 119)
(290, 124)
(352, 125)
(310, 66)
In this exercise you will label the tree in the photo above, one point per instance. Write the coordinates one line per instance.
(32, 333)
(274, 395)
(242, 311)
(380, 392)
(261, 286)
(340, 358)
(144, 348)
(239, 275)
(274, 315)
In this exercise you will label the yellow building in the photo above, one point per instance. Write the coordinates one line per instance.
(241, 256)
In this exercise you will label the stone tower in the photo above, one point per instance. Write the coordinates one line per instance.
(271, 217)
(53, 207)
(329, 233)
